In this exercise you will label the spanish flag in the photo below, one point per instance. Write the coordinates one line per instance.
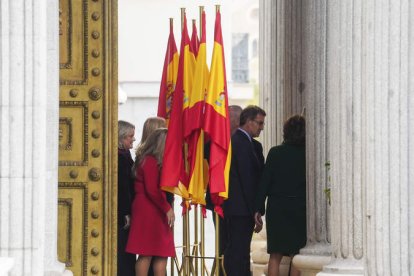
(195, 42)
(217, 124)
(174, 177)
(169, 77)
(193, 132)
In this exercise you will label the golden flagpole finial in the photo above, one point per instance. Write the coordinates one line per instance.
(217, 8)
(182, 17)
(201, 19)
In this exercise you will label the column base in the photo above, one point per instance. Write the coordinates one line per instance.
(348, 267)
(310, 265)
(57, 269)
(313, 258)
(6, 264)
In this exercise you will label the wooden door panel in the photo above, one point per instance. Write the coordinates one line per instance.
(87, 136)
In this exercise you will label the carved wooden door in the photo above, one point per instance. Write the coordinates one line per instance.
(88, 136)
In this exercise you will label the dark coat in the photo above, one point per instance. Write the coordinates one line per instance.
(284, 185)
(245, 172)
(125, 185)
(126, 261)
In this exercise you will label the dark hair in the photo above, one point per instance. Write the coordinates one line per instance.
(294, 131)
(249, 113)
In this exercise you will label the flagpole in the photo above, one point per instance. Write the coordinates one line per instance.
(202, 244)
(219, 259)
(186, 218)
(196, 243)
(201, 8)
(182, 17)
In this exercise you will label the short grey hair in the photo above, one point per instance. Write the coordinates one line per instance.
(124, 128)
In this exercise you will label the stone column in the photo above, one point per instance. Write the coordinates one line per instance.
(282, 87)
(370, 55)
(28, 137)
(317, 251)
(280, 65)
(267, 76)
(357, 60)
(346, 141)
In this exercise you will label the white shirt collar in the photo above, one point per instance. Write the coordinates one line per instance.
(245, 132)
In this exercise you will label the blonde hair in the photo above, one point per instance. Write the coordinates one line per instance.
(153, 145)
(124, 129)
(150, 125)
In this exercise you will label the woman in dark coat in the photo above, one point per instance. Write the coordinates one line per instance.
(284, 185)
(126, 138)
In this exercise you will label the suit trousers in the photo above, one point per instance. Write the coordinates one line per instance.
(237, 252)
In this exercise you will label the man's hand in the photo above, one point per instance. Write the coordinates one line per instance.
(258, 222)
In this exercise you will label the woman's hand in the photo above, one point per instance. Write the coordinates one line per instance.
(258, 222)
(170, 217)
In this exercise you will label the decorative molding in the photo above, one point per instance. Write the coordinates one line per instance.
(95, 93)
(96, 114)
(68, 203)
(84, 188)
(73, 93)
(95, 153)
(94, 174)
(69, 65)
(69, 146)
(69, 133)
(66, 33)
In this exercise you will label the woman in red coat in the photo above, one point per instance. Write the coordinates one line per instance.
(152, 217)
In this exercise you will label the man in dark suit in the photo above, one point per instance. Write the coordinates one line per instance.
(234, 116)
(246, 166)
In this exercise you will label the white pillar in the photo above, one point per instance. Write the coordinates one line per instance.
(345, 132)
(389, 105)
(357, 60)
(370, 55)
(28, 137)
(284, 86)
(281, 88)
(267, 77)
(317, 251)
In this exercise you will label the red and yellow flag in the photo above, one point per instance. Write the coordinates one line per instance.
(169, 77)
(174, 177)
(195, 42)
(216, 123)
(193, 132)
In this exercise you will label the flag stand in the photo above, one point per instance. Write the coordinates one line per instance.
(193, 254)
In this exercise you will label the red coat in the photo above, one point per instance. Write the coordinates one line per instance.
(150, 234)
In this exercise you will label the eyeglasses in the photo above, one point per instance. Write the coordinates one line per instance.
(260, 123)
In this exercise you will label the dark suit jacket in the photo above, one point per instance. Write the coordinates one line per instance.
(245, 171)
